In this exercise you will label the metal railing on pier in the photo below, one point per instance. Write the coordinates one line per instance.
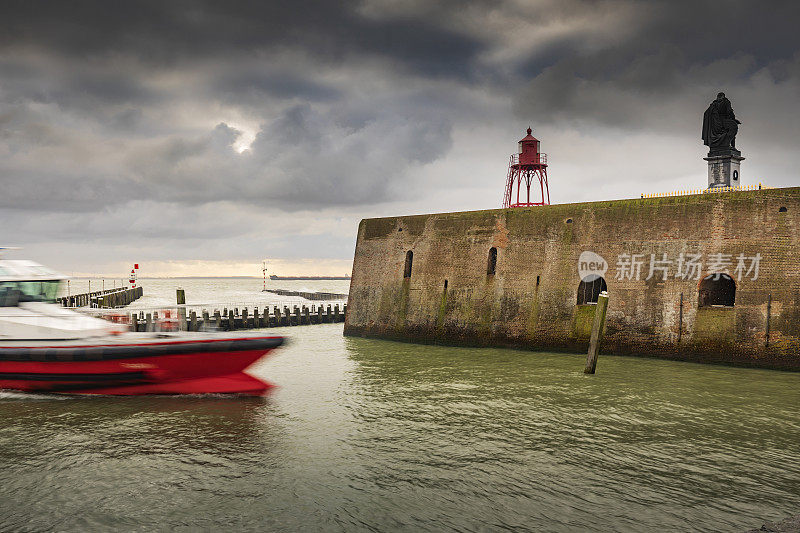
(714, 190)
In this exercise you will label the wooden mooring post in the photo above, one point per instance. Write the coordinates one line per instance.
(597, 332)
(181, 297)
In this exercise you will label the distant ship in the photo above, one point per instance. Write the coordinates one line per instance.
(274, 277)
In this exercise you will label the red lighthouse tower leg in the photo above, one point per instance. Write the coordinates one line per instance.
(524, 169)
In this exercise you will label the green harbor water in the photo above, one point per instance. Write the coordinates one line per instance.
(368, 435)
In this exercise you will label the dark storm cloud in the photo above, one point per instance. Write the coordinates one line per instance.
(255, 86)
(300, 159)
(101, 101)
(672, 51)
(159, 32)
(304, 157)
(114, 111)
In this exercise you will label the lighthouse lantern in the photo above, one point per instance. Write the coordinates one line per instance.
(525, 168)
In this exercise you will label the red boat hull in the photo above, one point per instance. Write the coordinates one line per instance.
(182, 367)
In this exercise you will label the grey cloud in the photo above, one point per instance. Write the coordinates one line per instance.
(302, 158)
(678, 53)
(63, 83)
(123, 117)
(163, 33)
(89, 113)
(255, 85)
(148, 230)
(299, 159)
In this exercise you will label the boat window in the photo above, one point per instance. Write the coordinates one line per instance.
(29, 291)
(9, 296)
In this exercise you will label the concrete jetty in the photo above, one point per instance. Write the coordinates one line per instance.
(233, 319)
(309, 295)
(106, 299)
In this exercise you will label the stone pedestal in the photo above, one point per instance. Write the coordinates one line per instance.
(723, 168)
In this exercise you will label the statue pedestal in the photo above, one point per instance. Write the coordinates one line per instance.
(723, 168)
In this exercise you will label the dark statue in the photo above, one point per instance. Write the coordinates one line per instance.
(720, 125)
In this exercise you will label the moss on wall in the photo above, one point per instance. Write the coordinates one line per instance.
(582, 321)
(715, 325)
(379, 227)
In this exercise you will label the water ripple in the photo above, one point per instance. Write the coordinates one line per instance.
(367, 435)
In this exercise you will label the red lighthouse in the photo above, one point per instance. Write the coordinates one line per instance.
(524, 169)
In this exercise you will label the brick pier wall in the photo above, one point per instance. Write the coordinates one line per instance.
(531, 300)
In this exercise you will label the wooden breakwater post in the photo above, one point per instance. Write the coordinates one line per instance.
(181, 298)
(232, 319)
(597, 332)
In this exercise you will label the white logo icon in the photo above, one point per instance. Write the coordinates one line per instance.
(591, 266)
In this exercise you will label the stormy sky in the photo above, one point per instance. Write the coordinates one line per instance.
(197, 138)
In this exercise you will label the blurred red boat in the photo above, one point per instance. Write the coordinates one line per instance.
(47, 348)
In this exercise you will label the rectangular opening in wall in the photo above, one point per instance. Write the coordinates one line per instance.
(491, 266)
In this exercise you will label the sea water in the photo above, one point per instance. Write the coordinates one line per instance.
(370, 435)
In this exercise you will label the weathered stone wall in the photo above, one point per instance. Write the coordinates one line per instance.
(531, 300)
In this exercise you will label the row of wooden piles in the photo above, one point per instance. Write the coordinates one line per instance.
(108, 298)
(233, 319)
